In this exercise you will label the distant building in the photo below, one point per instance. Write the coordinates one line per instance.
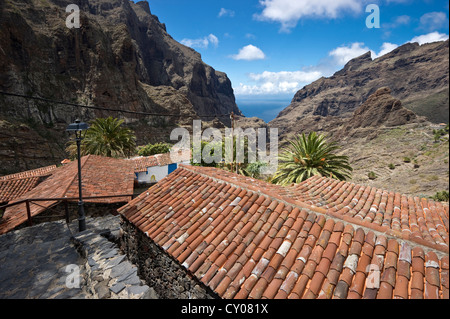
(107, 178)
(152, 169)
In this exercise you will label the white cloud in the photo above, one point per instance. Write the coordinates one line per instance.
(289, 12)
(397, 22)
(271, 83)
(430, 37)
(285, 76)
(385, 49)
(249, 53)
(226, 13)
(343, 54)
(202, 43)
(287, 82)
(432, 21)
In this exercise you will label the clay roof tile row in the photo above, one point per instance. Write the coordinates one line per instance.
(243, 239)
(141, 164)
(42, 171)
(14, 188)
(100, 177)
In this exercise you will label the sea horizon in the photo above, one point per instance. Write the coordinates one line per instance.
(265, 109)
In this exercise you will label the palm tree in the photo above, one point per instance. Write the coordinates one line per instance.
(311, 155)
(106, 137)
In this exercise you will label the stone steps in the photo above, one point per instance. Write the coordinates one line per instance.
(44, 262)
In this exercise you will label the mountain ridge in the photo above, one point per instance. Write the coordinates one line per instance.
(120, 58)
(415, 74)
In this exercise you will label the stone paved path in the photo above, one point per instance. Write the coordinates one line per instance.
(43, 262)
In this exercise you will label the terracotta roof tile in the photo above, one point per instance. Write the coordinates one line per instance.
(257, 240)
(15, 185)
(142, 163)
(42, 171)
(101, 177)
(413, 218)
(14, 188)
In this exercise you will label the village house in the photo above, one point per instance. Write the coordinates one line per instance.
(208, 233)
(152, 169)
(15, 185)
(101, 176)
(204, 232)
(104, 181)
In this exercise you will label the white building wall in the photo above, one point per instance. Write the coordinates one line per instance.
(153, 174)
(156, 173)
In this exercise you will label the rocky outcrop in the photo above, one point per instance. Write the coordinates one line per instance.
(381, 109)
(416, 74)
(120, 58)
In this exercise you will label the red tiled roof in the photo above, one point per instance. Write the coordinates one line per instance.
(142, 163)
(414, 218)
(43, 171)
(249, 239)
(14, 188)
(101, 177)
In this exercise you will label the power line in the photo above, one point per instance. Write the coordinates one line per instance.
(108, 109)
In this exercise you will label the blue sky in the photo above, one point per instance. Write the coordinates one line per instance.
(272, 48)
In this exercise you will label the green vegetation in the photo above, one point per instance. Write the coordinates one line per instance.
(406, 159)
(434, 106)
(253, 169)
(311, 155)
(208, 150)
(441, 196)
(372, 175)
(153, 149)
(106, 137)
(391, 166)
(437, 134)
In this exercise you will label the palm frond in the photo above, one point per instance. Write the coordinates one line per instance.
(309, 155)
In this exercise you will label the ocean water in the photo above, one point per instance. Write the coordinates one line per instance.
(266, 110)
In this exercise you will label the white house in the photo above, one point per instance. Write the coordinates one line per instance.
(152, 169)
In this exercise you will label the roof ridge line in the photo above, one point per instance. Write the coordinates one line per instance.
(76, 174)
(384, 230)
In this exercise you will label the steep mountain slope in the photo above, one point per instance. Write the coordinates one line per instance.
(417, 75)
(121, 58)
(393, 144)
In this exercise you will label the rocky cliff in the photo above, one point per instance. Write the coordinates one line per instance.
(416, 74)
(120, 58)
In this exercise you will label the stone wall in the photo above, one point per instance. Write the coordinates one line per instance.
(160, 271)
(58, 212)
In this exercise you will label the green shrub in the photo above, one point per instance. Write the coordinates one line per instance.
(372, 175)
(441, 196)
(391, 166)
(153, 149)
(432, 178)
(406, 159)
